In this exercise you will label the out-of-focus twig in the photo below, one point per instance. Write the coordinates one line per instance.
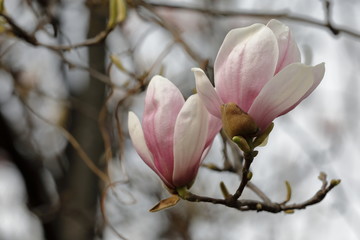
(82, 154)
(327, 9)
(156, 18)
(105, 133)
(103, 211)
(31, 39)
(265, 15)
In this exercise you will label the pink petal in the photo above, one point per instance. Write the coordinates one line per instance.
(246, 61)
(138, 140)
(162, 105)
(288, 49)
(190, 137)
(207, 93)
(318, 74)
(281, 93)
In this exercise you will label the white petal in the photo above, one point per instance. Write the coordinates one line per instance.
(282, 92)
(207, 93)
(214, 126)
(138, 139)
(318, 71)
(318, 74)
(189, 140)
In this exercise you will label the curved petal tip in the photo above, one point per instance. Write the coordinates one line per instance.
(207, 92)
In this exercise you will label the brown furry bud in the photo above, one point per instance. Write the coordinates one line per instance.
(236, 122)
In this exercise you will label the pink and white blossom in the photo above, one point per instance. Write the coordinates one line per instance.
(258, 68)
(175, 135)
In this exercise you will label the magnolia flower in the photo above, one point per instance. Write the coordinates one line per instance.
(175, 135)
(258, 68)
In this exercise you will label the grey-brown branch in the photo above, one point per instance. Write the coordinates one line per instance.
(267, 206)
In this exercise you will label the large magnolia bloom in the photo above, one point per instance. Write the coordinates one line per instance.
(175, 135)
(258, 68)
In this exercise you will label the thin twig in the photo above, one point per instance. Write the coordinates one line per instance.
(248, 205)
(249, 185)
(248, 158)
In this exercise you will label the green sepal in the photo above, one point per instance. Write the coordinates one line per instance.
(242, 143)
(182, 192)
(260, 139)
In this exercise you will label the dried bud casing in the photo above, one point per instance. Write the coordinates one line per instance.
(236, 122)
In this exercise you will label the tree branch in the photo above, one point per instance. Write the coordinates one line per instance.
(267, 206)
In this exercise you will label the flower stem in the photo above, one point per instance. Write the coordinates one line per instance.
(246, 175)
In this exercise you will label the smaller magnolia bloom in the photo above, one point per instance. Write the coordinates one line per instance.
(175, 135)
(258, 69)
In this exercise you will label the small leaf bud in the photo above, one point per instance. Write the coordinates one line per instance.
(258, 206)
(335, 182)
(249, 176)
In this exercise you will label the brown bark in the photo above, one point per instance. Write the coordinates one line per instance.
(80, 190)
